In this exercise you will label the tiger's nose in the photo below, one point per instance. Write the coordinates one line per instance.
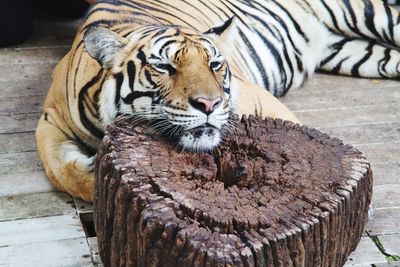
(205, 105)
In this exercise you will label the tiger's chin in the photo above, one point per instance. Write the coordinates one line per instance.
(200, 139)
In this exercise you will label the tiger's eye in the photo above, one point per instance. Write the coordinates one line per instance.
(215, 65)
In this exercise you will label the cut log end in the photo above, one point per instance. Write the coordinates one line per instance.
(273, 194)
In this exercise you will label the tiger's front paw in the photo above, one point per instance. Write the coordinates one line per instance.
(84, 165)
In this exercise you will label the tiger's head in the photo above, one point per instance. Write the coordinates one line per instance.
(174, 77)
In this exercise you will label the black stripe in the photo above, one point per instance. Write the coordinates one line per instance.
(337, 47)
(332, 15)
(76, 72)
(163, 11)
(369, 13)
(196, 7)
(390, 22)
(300, 66)
(207, 5)
(280, 21)
(296, 25)
(277, 55)
(383, 62)
(89, 106)
(127, 33)
(149, 79)
(84, 146)
(81, 107)
(175, 8)
(142, 57)
(214, 51)
(119, 78)
(137, 94)
(353, 27)
(131, 69)
(355, 68)
(256, 60)
(167, 43)
(220, 29)
(386, 58)
(166, 36)
(243, 60)
(227, 77)
(96, 97)
(338, 66)
(159, 32)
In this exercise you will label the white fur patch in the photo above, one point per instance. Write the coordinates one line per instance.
(72, 153)
(107, 102)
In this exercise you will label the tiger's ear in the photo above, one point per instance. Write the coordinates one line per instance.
(103, 45)
(224, 33)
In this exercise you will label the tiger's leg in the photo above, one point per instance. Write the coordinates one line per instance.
(361, 58)
(66, 166)
(251, 99)
(372, 19)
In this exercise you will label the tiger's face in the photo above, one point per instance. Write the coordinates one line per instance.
(175, 78)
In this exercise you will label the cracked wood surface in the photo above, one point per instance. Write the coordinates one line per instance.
(275, 194)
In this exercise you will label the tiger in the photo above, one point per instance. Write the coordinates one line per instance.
(186, 66)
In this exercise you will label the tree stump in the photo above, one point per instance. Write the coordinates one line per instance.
(273, 194)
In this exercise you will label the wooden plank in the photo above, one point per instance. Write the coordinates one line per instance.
(21, 104)
(19, 122)
(386, 196)
(387, 264)
(68, 252)
(365, 254)
(391, 244)
(20, 72)
(378, 153)
(29, 231)
(358, 97)
(51, 55)
(94, 250)
(387, 173)
(35, 205)
(323, 83)
(82, 206)
(17, 142)
(350, 116)
(384, 221)
(12, 184)
(38, 85)
(23, 162)
(367, 133)
(52, 33)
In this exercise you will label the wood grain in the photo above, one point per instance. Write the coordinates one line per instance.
(12, 184)
(63, 252)
(40, 230)
(19, 123)
(26, 206)
(17, 142)
(20, 163)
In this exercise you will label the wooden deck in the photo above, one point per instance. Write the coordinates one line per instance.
(42, 227)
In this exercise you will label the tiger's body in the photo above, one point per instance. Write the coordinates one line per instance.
(163, 61)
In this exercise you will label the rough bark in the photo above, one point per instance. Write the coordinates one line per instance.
(273, 194)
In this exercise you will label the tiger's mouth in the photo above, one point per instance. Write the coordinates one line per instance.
(201, 138)
(207, 129)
